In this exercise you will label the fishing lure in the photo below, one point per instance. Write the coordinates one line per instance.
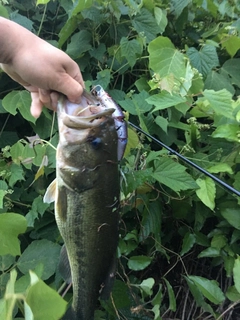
(118, 116)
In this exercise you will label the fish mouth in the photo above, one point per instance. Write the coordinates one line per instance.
(88, 113)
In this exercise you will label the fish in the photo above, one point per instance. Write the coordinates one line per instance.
(86, 194)
(118, 116)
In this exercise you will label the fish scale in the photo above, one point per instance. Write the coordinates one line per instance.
(86, 195)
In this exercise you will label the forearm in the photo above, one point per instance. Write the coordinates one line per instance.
(12, 38)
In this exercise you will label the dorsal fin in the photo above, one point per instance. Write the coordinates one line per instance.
(50, 194)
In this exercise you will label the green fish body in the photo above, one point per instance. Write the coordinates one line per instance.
(86, 194)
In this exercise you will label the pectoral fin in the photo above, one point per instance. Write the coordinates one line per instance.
(64, 265)
(50, 194)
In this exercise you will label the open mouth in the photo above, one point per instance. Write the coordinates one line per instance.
(89, 113)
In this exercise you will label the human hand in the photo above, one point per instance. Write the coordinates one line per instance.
(41, 68)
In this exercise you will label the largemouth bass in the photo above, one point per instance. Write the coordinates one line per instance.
(86, 195)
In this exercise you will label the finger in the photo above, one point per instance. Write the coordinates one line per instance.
(73, 70)
(54, 100)
(44, 97)
(36, 105)
(69, 86)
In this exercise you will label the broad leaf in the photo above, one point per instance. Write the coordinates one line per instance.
(236, 274)
(232, 216)
(11, 225)
(221, 167)
(164, 100)
(38, 252)
(207, 191)
(80, 43)
(171, 296)
(220, 102)
(45, 303)
(178, 6)
(198, 296)
(229, 132)
(209, 288)
(21, 101)
(130, 49)
(232, 294)
(146, 24)
(188, 242)
(165, 59)
(232, 67)
(146, 285)
(216, 81)
(231, 44)
(173, 175)
(203, 60)
(137, 263)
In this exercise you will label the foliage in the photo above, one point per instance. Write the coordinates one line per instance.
(174, 67)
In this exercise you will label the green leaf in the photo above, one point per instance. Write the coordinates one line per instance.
(232, 67)
(230, 132)
(236, 274)
(217, 82)
(103, 78)
(137, 105)
(232, 216)
(178, 6)
(38, 252)
(130, 49)
(220, 102)
(231, 44)
(137, 263)
(42, 2)
(162, 123)
(45, 303)
(2, 195)
(203, 60)
(11, 225)
(20, 100)
(146, 285)
(6, 262)
(28, 312)
(218, 241)
(165, 100)
(165, 59)
(232, 294)
(209, 252)
(161, 18)
(188, 242)
(3, 13)
(38, 209)
(171, 296)
(206, 192)
(132, 142)
(173, 175)
(3, 309)
(151, 223)
(209, 288)
(67, 30)
(74, 49)
(198, 296)
(17, 174)
(145, 23)
(220, 167)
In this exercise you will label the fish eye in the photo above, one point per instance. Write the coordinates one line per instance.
(96, 143)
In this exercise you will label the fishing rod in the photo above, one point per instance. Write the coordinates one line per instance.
(192, 164)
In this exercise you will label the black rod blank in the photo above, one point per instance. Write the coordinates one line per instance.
(192, 164)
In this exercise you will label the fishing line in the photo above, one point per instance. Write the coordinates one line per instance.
(192, 164)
